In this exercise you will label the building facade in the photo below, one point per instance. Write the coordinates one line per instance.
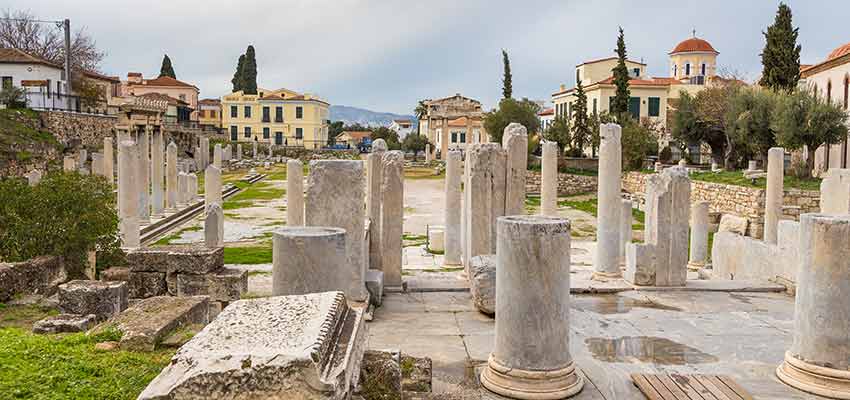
(453, 122)
(402, 127)
(209, 114)
(137, 85)
(43, 82)
(831, 80)
(281, 117)
(546, 117)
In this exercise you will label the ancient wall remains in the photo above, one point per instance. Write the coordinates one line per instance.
(568, 184)
(76, 129)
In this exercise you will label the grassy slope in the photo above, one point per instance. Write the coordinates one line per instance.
(737, 178)
(15, 135)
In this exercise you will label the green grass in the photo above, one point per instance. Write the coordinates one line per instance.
(174, 236)
(15, 134)
(251, 193)
(22, 316)
(248, 255)
(410, 240)
(443, 269)
(737, 178)
(422, 173)
(566, 170)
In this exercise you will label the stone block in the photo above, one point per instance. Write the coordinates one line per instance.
(149, 321)
(103, 299)
(640, 259)
(63, 323)
(416, 374)
(380, 374)
(40, 275)
(192, 285)
(142, 285)
(482, 283)
(436, 239)
(184, 259)
(742, 257)
(299, 347)
(121, 274)
(227, 285)
(375, 286)
(734, 224)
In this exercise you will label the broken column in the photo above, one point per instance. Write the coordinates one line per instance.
(69, 164)
(108, 160)
(607, 261)
(532, 274)
(294, 193)
(213, 223)
(157, 167)
(699, 235)
(819, 358)
(483, 199)
(238, 151)
(217, 155)
(97, 164)
(336, 198)
(254, 150)
(212, 187)
(428, 156)
(311, 259)
(773, 196)
(515, 143)
(625, 227)
(199, 158)
(549, 179)
(453, 245)
(205, 151)
(143, 176)
(128, 198)
(835, 192)
(171, 177)
(193, 187)
(33, 177)
(182, 189)
(374, 165)
(392, 215)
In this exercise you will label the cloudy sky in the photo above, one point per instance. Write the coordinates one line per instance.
(386, 55)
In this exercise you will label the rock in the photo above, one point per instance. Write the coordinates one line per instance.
(142, 285)
(482, 283)
(115, 274)
(64, 323)
(224, 285)
(415, 374)
(375, 286)
(734, 224)
(283, 347)
(188, 259)
(40, 275)
(106, 346)
(103, 299)
(148, 322)
(380, 375)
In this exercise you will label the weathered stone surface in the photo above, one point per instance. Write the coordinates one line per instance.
(482, 283)
(549, 184)
(734, 224)
(157, 172)
(142, 285)
(515, 144)
(773, 194)
(143, 176)
(283, 347)
(149, 321)
(312, 259)
(607, 260)
(128, 194)
(392, 216)
(625, 227)
(33, 177)
(374, 166)
(699, 235)
(835, 192)
(484, 198)
(294, 193)
(380, 375)
(108, 159)
(171, 177)
(453, 209)
(416, 375)
(436, 238)
(375, 286)
(227, 284)
(213, 223)
(115, 274)
(186, 259)
(103, 299)
(63, 323)
(40, 275)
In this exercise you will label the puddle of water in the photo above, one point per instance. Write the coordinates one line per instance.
(632, 349)
(617, 304)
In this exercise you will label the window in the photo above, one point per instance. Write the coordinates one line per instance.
(829, 91)
(634, 107)
(203, 113)
(234, 133)
(636, 72)
(247, 131)
(266, 114)
(675, 70)
(594, 106)
(702, 71)
(846, 88)
(266, 133)
(299, 133)
(463, 137)
(454, 137)
(247, 111)
(212, 114)
(233, 112)
(688, 69)
(48, 88)
(278, 114)
(299, 112)
(58, 87)
(654, 106)
(7, 82)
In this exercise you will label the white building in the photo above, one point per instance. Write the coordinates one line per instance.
(831, 79)
(546, 118)
(43, 82)
(402, 126)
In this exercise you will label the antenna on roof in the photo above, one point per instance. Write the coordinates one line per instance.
(695, 32)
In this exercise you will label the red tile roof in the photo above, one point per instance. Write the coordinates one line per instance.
(16, 56)
(355, 135)
(693, 44)
(839, 51)
(212, 102)
(98, 76)
(165, 81)
(548, 111)
(607, 59)
(165, 97)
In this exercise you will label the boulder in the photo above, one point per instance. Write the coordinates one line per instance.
(149, 321)
(734, 224)
(65, 323)
(115, 274)
(482, 283)
(103, 299)
(40, 275)
(142, 285)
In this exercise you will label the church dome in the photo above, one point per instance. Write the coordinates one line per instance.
(693, 44)
(838, 52)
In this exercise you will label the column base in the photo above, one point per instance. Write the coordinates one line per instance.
(814, 379)
(695, 265)
(531, 385)
(604, 276)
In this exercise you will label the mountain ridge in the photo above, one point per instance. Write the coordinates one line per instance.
(354, 115)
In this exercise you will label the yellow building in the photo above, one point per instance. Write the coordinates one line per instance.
(280, 117)
(209, 114)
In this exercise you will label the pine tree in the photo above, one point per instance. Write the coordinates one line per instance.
(781, 54)
(166, 69)
(237, 76)
(620, 103)
(581, 130)
(249, 72)
(507, 85)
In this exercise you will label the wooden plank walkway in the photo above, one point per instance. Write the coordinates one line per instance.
(689, 387)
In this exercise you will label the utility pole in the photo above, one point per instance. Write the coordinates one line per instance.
(66, 24)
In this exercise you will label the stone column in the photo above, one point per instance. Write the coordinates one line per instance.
(128, 197)
(193, 187)
(182, 189)
(82, 157)
(835, 192)
(217, 155)
(625, 227)
(515, 143)
(549, 179)
(33, 177)
(607, 261)
(255, 149)
(531, 358)
(294, 193)
(213, 222)
(392, 215)
(374, 165)
(819, 359)
(336, 198)
(428, 157)
(445, 135)
(212, 187)
(199, 158)
(238, 151)
(483, 198)
(311, 259)
(774, 193)
(157, 164)
(171, 177)
(205, 152)
(143, 177)
(97, 164)
(69, 163)
(699, 235)
(108, 160)
(453, 208)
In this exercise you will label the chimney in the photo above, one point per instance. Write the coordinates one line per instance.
(563, 87)
(134, 77)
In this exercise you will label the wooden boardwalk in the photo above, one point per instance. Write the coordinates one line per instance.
(689, 387)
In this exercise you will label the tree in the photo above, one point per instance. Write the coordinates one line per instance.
(781, 55)
(748, 122)
(595, 120)
(620, 103)
(559, 132)
(414, 143)
(13, 97)
(249, 72)
(804, 119)
(507, 84)
(420, 111)
(523, 111)
(638, 140)
(390, 136)
(335, 128)
(581, 131)
(166, 69)
(91, 93)
(237, 80)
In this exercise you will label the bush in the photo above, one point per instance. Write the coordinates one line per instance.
(67, 215)
(638, 140)
(414, 142)
(666, 155)
(13, 97)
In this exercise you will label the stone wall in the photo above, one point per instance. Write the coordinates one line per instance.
(742, 201)
(568, 184)
(40, 275)
(77, 129)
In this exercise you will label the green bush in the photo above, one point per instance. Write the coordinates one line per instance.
(67, 215)
(638, 140)
(665, 155)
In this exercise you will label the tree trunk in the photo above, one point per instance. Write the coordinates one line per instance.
(810, 162)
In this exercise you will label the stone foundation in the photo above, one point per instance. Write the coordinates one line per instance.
(40, 275)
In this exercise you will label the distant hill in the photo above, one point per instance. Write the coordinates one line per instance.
(352, 115)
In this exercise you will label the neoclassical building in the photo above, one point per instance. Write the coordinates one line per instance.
(453, 122)
(831, 79)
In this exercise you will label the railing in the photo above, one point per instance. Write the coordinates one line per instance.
(697, 80)
(50, 101)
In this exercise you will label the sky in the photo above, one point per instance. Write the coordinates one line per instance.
(385, 55)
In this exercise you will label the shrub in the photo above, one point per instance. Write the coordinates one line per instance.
(665, 155)
(638, 141)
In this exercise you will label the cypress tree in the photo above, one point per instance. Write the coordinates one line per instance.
(507, 85)
(237, 76)
(249, 72)
(581, 129)
(166, 69)
(620, 103)
(781, 54)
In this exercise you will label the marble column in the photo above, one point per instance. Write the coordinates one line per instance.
(549, 179)
(774, 193)
(128, 195)
(392, 215)
(238, 151)
(97, 164)
(199, 158)
(193, 187)
(819, 358)
(254, 150)
(109, 160)
(531, 358)
(336, 197)
(515, 143)
(483, 198)
(33, 177)
(607, 261)
(212, 187)
(699, 235)
(294, 193)
(217, 155)
(835, 192)
(182, 189)
(308, 259)
(143, 176)
(213, 222)
(69, 163)
(428, 156)
(157, 175)
(171, 177)
(374, 165)
(82, 157)
(453, 207)
(205, 152)
(625, 227)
